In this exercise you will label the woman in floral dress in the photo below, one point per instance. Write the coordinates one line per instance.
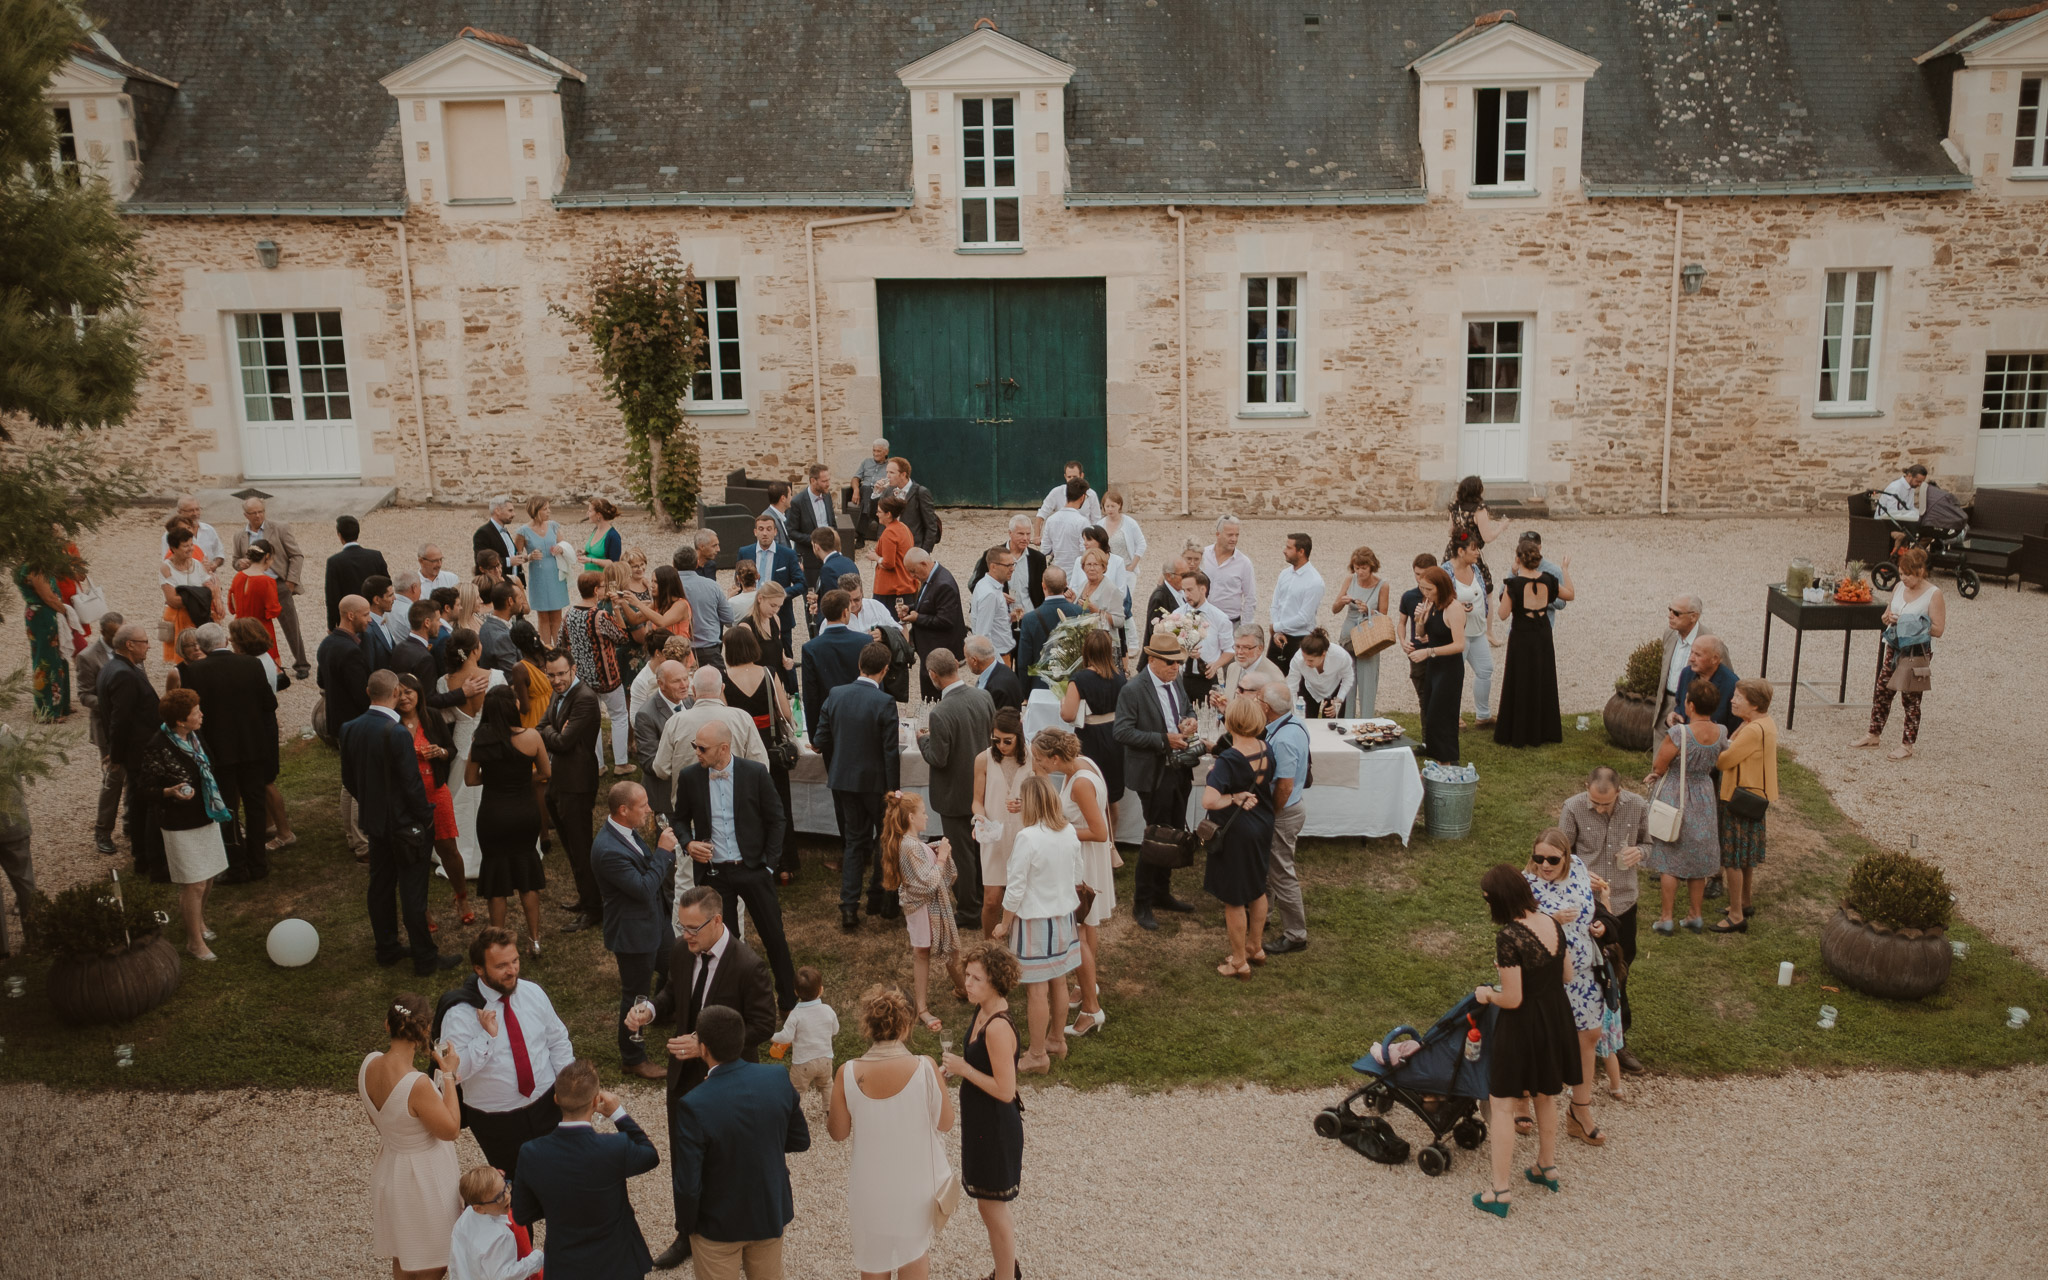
(1564, 891)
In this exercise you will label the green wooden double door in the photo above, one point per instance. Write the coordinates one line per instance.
(989, 386)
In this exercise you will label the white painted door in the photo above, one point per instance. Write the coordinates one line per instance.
(297, 399)
(1493, 441)
(2012, 431)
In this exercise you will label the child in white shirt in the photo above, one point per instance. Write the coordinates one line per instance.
(808, 1033)
(483, 1246)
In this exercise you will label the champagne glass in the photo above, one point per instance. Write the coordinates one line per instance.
(639, 1036)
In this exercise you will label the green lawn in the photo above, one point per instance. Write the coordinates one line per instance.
(1399, 934)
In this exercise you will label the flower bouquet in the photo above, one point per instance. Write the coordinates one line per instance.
(1188, 630)
(1062, 651)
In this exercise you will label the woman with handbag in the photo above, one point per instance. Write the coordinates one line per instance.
(1749, 782)
(1913, 621)
(893, 1106)
(1039, 903)
(1363, 603)
(1241, 780)
(1685, 842)
(991, 1116)
(748, 688)
(999, 773)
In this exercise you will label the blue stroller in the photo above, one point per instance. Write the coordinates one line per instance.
(1437, 1082)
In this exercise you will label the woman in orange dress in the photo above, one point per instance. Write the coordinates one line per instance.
(253, 593)
(893, 582)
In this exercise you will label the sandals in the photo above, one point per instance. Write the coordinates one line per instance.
(1542, 1175)
(1900, 753)
(1868, 740)
(1572, 1126)
(1497, 1206)
(1033, 1064)
(1525, 1125)
(931, 1021)
(1086, 1023)
(1727, 925)
(1238, 971)
(462, 905)
(1257, 957)
(280, 844)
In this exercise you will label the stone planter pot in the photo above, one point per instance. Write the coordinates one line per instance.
(116, 986)
(1898, 964)
(1629, 721)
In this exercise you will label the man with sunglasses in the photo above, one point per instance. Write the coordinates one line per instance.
(1683, 629)
(1155, 720)
(731, 815)
(1609, 829)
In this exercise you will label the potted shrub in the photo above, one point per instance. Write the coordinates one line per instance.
(1630, 713)
(1891, 936)
(109, 959)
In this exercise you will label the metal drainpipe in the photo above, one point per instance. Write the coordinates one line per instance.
(811, 278)
(1671, 353)
(412, 343)
(1180, 302)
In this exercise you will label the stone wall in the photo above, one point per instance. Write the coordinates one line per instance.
(513, 403)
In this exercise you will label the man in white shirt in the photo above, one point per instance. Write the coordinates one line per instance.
(1297, 596)
(1905, 497)
(1684, 631)
(994, 611)
(1063, 533)
(1233, 582)
(862, 613)
(707, 688)
(511, 1045)
(203, 535)
(433, 576)
(1199, 675)
(1056, 497)
(398, 619)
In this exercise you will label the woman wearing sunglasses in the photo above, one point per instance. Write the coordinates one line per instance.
(1563, 889)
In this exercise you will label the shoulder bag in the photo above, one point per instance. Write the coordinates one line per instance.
(1912, 673)
(1168, 847)
(1371, 633)
(1667, 820)
(783, 751)
(89, 602)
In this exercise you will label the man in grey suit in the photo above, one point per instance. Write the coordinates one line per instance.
(85, 679)
(287, 562)
(494, 632)
(856, 733)
(633, 879)
(1154, 722)
(672, 686)
(959, 728)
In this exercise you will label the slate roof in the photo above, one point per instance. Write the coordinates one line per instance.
(751, 100)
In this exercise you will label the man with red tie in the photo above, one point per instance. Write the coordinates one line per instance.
(511, 1047)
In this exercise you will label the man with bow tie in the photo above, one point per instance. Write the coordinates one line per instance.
(633, 878)
(733, 820)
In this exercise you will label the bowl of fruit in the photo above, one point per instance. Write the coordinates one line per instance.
(1854, 588)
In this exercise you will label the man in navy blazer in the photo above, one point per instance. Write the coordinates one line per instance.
(633, 881)
(575, 1178)
(779, 563)
(831, 658)
(730, 1139)
(830, 565)
(733, 819)
(380, 770)
(856, 733)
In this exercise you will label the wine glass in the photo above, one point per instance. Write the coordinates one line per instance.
(638, 1036)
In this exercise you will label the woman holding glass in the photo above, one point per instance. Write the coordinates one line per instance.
(547, 591)
(991, 1118)
(176, 778)
(893, 1106)
(999, 772)
(414, 1195)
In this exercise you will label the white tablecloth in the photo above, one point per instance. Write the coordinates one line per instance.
(811, 799)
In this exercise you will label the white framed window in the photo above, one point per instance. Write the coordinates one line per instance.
(988, 173)
(294, 367)
(1495, 352)
(719, 383)
(2030, 127)
(65, 161)
(2015, 392)
(473, 137)
(1272, 343)
(1850, 313)
(1500, 137)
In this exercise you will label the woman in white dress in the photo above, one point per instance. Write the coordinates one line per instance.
(1083, 800)
(1126, 539)
(998, 812)
(463, 655)
(891, 1103)
(1364, 597)
(414, 1186)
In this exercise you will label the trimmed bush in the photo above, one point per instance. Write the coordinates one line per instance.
(87, 920)
(1639, 678)
(1899, 891)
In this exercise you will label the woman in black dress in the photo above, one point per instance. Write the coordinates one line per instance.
(991, 1115)
(1098, 682)
(748, 688)
(1535, 1046)
(1440, 642)
(511, 766)
(1527, 715)
(1241, 780)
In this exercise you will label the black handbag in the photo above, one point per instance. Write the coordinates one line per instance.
(1749, 804)
(783, 750)
(1169, 847)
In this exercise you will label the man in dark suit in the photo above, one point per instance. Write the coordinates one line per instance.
(241, 711)
(349, 567)
(711, 968)
(129, 711)
(1150, 735)
(1029, 558)
(494, 632)
(778, 511)
(86, 666)
(831, 567)
(415, 658)
(569, 732)
(379, 592)
(672, 688)
(634, 880)
(934, 615)
(343, 670)
(1167, 597)
(831, 658)
(1001, 683)
(920, 512)
(777, 563)
(575, 1178)
(809, 511)
(1036, 626)
(734, 820)
(495, 535)
(856, 733)
(380, 770)
(958, 731)
(727, 1156)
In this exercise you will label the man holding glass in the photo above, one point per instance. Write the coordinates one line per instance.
(1155, 721)
(630, 876)
(510, 1048)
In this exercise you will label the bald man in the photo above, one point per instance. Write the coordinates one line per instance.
(344, 674)
(727, 810)
(707, 691)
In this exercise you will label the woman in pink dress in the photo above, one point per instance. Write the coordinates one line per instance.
(414, 1195)
(253, 593)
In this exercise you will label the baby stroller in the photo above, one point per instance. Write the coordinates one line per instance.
(1436, 1081)
(1944, 548)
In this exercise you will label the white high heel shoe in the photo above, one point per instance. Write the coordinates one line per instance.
(1085, 1023)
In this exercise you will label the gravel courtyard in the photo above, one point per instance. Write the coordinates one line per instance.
(1866, 1174)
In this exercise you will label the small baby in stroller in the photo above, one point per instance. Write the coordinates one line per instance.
(1439, 1075)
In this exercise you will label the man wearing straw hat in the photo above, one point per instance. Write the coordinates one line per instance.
(1155, 719)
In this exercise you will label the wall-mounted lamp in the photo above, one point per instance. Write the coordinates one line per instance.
(266, 253)
(1693, 275)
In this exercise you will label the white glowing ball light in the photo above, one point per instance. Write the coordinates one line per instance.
(293, 943)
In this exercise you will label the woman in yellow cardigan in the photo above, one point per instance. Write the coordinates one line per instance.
(1749, 763)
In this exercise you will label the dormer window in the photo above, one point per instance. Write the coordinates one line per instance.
(65, 161)
(483, 120)
(479, 156)
(988, 172)
(1500, 151)
(2030, 141)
